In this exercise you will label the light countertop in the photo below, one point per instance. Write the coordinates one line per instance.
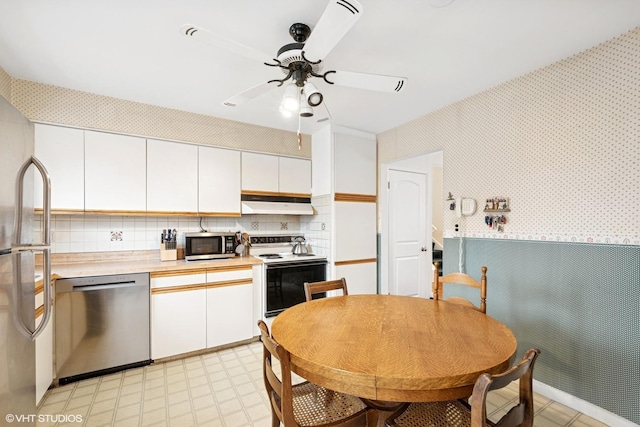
(100, 264)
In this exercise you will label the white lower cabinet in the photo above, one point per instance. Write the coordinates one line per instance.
(229, 306)
(195, 310)
(361, 277)
(178, 313)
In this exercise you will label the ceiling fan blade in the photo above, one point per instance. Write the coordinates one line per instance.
(208, 37)
(336, 20)
(368, 81)
(249, 94)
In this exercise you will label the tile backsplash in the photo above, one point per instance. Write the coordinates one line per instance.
(102, 233)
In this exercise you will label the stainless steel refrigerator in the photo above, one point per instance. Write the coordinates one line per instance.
(18, 329)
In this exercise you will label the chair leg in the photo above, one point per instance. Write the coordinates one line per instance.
(275, 421)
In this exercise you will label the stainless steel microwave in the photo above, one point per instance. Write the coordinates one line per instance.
(203, 246)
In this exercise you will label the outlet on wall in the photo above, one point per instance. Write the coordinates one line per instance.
(116, 236)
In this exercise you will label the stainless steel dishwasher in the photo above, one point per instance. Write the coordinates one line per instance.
(101, 325)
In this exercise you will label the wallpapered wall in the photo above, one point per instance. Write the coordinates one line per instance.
(53, 104)
(5, 84)
(562, 143)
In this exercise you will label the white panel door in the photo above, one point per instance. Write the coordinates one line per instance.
(294, 175)
(355, 164)
(260, 172)
(408, 252)
(115, 172)
(355, 228)
(172, 177)
(61, 150)
(219, 180)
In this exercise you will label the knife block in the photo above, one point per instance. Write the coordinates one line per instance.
(168, 251)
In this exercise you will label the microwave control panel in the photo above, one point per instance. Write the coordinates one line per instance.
(229, 244)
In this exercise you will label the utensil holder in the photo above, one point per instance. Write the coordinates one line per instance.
(168, 251)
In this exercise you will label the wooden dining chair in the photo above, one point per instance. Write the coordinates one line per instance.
(460, 413)
(461, 279)
(311, 288)
(304, 404)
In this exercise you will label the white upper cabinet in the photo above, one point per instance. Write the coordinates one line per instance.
(61, 150)
(115, 172)
(218, 181)
(275, 174)
(172, 178)
(355, 164)
(259, 172)
(294, 176)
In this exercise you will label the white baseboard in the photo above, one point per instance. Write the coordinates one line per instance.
(583, 406)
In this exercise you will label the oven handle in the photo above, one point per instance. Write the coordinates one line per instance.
(273, 265)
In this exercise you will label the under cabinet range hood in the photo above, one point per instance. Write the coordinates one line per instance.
(276, 205)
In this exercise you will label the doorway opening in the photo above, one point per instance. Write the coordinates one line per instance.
(411, 235)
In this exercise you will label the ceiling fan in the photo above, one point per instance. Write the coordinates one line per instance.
(303, 60)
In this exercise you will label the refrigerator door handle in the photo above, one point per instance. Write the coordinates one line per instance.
(46, 295)
(46, 238)
(46, 202)
(46, 315)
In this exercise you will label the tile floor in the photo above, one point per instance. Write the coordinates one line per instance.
(224, 389)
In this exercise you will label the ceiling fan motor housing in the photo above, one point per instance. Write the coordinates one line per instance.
(299, 32)
(290, 57)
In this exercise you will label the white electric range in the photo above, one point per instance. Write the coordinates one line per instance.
(284, 273)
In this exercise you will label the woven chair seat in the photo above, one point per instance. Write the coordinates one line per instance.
(314, 405)
(435, 414)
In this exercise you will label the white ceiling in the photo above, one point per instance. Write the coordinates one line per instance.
(133, 49)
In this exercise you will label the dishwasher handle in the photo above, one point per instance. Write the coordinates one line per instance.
(91, 287)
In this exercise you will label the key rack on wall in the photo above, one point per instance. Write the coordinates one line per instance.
(499, 206)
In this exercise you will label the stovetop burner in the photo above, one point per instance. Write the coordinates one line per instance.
(270, 256)
(307, 254)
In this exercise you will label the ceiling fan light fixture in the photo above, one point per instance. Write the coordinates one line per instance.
(290, 100)
(284, 111)
(306, 111)
(312, 94)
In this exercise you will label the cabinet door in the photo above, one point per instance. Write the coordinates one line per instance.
(229, 305)
(294, 176)
(361, 278)
(115, 173)
(229, 314)
(61, 150)
(172, 178)
(178, 322)
(178, 313)
(355, 164)
(44, 348)
(259, 172)
(218, 182)
(355, 231)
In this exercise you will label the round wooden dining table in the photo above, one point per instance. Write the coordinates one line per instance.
(386, 348)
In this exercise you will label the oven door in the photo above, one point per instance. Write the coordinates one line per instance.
(284, 283)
